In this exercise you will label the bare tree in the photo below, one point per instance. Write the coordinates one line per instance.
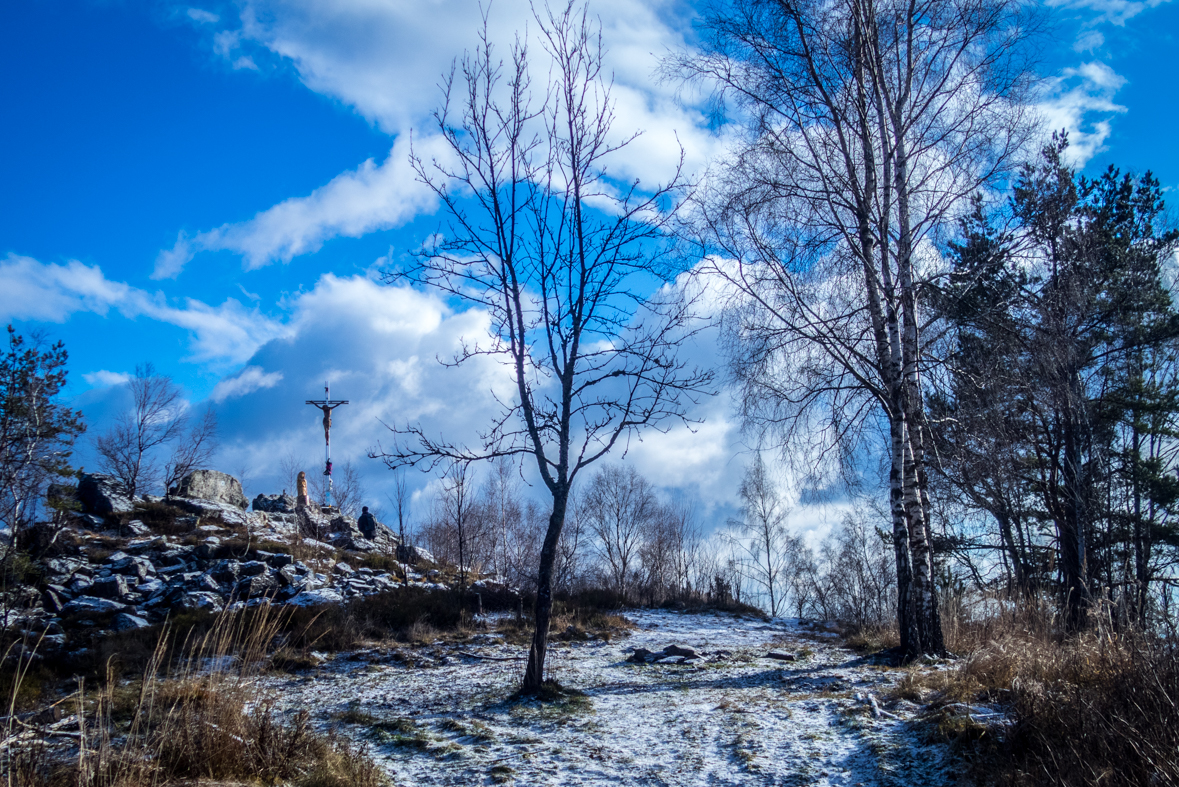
(871, 123)
(502, 507)
(289, 467)
(347, 488)
(767, 546)
(400, 503)
(669, 552)
(557, 254)
(157, 417)
(193, 450)
(617, 507)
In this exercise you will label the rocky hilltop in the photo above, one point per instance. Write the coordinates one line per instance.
(119, 563)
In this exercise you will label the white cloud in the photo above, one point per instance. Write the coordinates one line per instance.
(370, 198)
(386, 61)
(248, 380)
(1089, 40)
(203, 16)
(104, 379)
(33, 290)
(170, 262)
(1114, 12)
(1080, 100)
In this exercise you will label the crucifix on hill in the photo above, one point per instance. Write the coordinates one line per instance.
(327, 404)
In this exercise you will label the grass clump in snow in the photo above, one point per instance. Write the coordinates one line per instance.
(501, 773)
(470, 729)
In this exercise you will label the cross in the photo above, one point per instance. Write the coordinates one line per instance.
(327, 404)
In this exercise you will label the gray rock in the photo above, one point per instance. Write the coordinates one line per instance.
(212, 485)
(256, 586)
(343, 569)
(676, 650)
(79, 585)
(138, 567)
(227, 571)
(275, 504)
(126, 622)
(150, 587)
(206, 583)
(52, 600)
(201, 600)
(102, 495)
(312, 598)
(254, 568)
(137, 528)
(287, 576)
(92, 605)
(275, 559)
(113, 587)
(230, 514)
(414, 555)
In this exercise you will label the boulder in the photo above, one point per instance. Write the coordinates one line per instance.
(226, 571)
(138, 567)
(345, 526)
(91, 605)
(201, 600)
(127, 622)
(256, 586)
(212, 485)
(113, 587)
(676, 650)
(313, 598)
(414, 555)
(275, 559)
(275, 504)
(288, 576)
(102, 495)
(253, 568)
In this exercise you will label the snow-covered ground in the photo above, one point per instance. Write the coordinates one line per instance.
(433, 716)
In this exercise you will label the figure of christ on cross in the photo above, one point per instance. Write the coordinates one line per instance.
(327, 404)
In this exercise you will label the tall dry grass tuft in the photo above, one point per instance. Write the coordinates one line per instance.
(200, 714)
(1097, 708)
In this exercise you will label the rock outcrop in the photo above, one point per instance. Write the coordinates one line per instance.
(275, 504)
(102, 495)
(212, 485)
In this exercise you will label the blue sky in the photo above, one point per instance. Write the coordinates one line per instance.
(212, 187)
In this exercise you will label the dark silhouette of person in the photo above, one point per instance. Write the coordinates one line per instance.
(367, 524)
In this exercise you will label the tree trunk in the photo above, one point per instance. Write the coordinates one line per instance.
(1073, 561)
(534, 673)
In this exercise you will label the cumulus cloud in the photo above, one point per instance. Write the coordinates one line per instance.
(104, 379)
(370, 198)
(379, 347)
(386, 60)
(34, 290)
(1080, 100)
(249, 379)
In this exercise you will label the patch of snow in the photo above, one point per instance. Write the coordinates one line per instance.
(731, 718)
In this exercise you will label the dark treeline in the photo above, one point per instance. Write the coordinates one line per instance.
(1057, 418)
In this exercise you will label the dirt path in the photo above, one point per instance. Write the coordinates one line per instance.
(736, 719)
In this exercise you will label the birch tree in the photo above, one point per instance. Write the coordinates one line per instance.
(869, 124)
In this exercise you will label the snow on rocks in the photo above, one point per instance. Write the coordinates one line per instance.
(440, 715)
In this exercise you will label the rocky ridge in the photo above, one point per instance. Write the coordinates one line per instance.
(127, 564)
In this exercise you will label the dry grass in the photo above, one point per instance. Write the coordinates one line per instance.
(202, 715)
(1099, 708)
